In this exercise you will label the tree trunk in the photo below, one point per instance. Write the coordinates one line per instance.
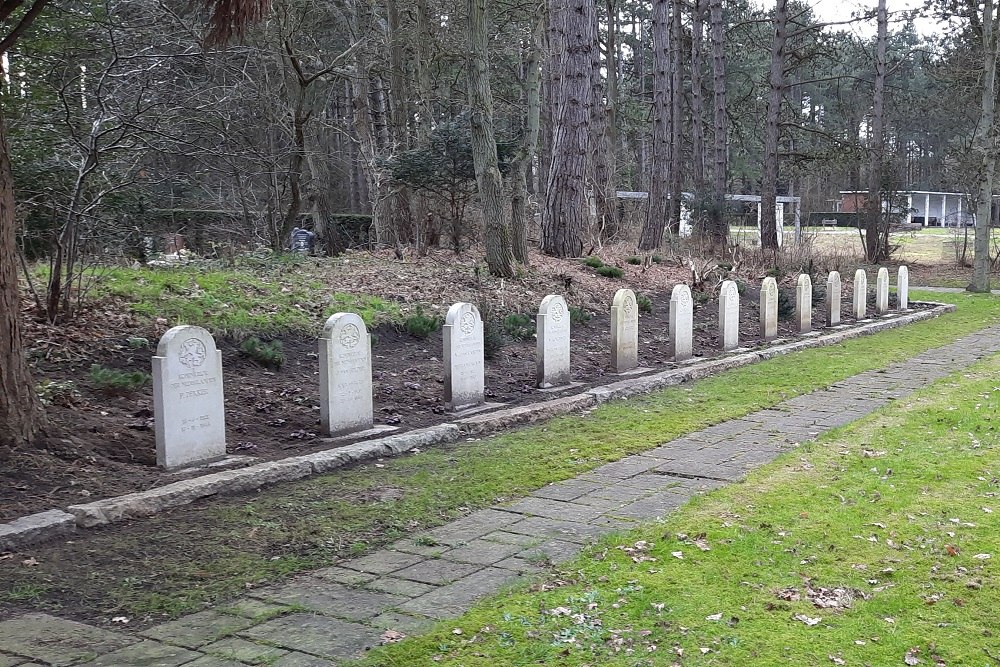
(720, 139)
(697, 105)
(984, 143)
(529, 143)
(658, 210)
(772, 129)
(874, 250)
(20, 412)
(676, 119)
(602, 161)
(499, 254)
(565, 213)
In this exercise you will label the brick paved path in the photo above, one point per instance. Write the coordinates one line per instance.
(339, 611)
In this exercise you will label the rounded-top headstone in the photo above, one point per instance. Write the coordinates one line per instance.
(552, 351)
(882, 291)
(729, 315)
(903, 287)
(860, 294)
(803, 303)
(464, 357)
(624, 331)
(769, 309)
(188, 400)
(345, 375)
(833, 292)
(681, 323)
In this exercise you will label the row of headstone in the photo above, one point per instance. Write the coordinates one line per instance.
(189, 404)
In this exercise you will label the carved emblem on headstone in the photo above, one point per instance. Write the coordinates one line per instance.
(557, 312)
(192, 353)
(629, 306)
(349, 336)
(468, 323)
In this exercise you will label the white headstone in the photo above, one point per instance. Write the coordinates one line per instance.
(769, 310)
(464, 357)
(681, 323)
(804, 303)
(833, 299)
(882, 292)
(729, 315)
(860, 294)
(188, 402)
(345, 375)
(552, 347)
(903, 288)
(624, 331)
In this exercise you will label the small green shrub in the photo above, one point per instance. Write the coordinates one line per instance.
(138, 342)
(786, 304)
(644, 302)
(519, 326)
(610, 272)
(635, 261)
(701, 297)
(657, 259)
(741, 287)
(269, 355)
(493, 330)
(422, 325)
(113, 380)
(578, 316)
(726, 267)
(776, 272)
(593, 262)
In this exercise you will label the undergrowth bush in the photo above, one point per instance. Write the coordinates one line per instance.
(422, 325)
(269, 355)
(593, 262)
(113, 380)
(634, 261)
(645, 303)
(610, 272)
(578, 316)
(519, 326)
(493, 330)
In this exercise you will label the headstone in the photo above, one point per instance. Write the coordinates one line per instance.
(882, 292)
(769, 310)
(729, 315)
(345, 375)
(860, 294)
(903, 288)
(464, 358)
(833, 299)
(624, 331)
(188, 402)
(552, 347)
(302, 241)
(804, 303)
(681, 323)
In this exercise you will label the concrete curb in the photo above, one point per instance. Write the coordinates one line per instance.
(57, 523)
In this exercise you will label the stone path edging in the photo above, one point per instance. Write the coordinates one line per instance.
(55, 523)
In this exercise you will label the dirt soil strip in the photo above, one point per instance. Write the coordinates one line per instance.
(56, 523)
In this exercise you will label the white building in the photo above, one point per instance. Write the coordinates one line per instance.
(923, 207)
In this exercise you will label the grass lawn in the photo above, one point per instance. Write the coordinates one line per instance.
(877, 545)
(208, 553)
(279, 297)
